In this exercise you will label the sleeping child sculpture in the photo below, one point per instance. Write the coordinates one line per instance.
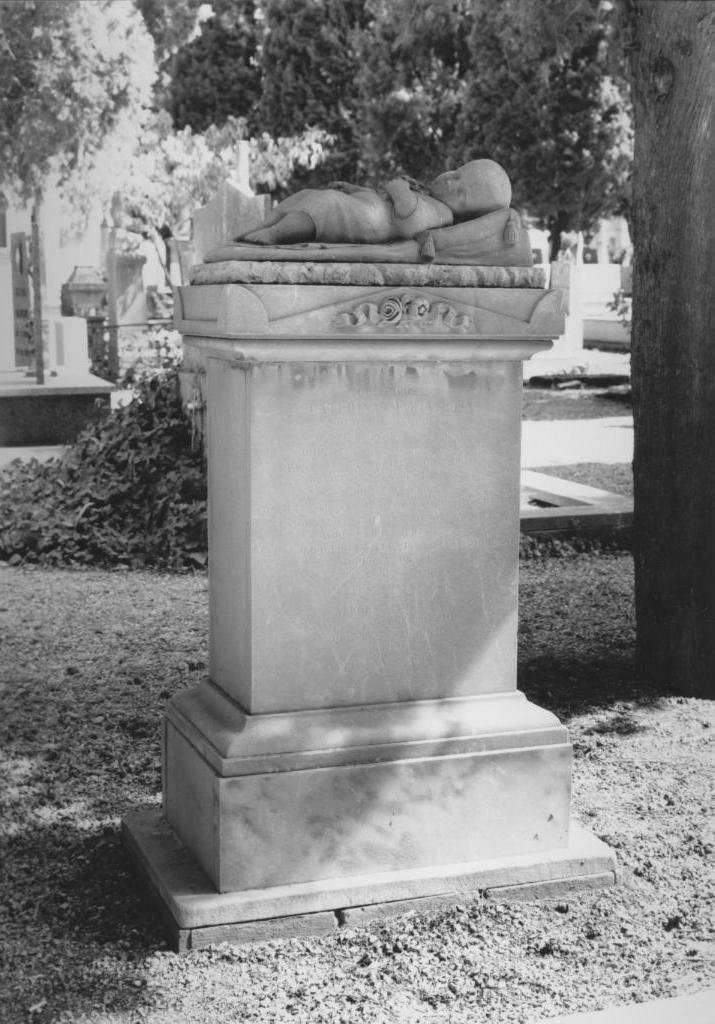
(462, 217)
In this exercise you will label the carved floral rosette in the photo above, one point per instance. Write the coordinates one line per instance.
(407, 312)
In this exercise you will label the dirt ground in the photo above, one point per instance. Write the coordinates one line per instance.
(88, 660)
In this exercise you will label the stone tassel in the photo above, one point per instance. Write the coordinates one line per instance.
(427, 249)
(511, 228)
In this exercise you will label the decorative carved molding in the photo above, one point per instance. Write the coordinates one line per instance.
(407, 312)
(367, 274)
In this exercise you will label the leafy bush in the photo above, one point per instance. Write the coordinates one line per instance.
(622, 305)
(130, 491)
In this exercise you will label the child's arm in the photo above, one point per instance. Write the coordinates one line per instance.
(404, 200)
(415, 211)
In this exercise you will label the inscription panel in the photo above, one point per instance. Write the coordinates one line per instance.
(384, 527)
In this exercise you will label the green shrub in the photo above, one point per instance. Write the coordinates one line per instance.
(130, 491)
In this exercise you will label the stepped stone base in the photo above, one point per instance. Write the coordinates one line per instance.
(360, 747)
(196, 915)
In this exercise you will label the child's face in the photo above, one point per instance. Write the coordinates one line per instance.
(476, 188)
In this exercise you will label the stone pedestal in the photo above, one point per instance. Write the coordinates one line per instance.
(360, 740)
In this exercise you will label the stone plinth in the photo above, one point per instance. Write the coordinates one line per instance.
(361, 740)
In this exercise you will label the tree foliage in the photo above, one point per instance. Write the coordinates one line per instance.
(413, 86)
(541, 101)
(70, 71)
(150, 185)
(130, 491)
(413, 58)
(171, 25)
(309, 64)
(532, 86)
(215, 76)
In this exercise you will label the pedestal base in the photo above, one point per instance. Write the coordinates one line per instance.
(263, 801)
(196, 915)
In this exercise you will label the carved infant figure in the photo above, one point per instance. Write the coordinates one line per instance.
(401, 209)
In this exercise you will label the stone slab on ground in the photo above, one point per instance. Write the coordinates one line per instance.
(568, 507)
(52, 413)
(195, 914)
(606, 333)
(17, 383)
(43, 453)
(584, 363)
(693, 1009)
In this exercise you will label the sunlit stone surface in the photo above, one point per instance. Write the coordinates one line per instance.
(361, 738)
(380, 527)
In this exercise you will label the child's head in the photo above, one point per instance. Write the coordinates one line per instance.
(476, 188)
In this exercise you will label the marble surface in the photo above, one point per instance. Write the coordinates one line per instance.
(361, 737)
(363, 530)
(349, 313)
(190, 903)
(355, 819)
(235, 743)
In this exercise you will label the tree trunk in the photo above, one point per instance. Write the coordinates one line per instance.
(557, 224)
(36, 276)
(673, 342)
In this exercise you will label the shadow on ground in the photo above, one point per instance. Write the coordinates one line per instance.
(573, 686)
(83, 705)
(78, 924)
(577, 634)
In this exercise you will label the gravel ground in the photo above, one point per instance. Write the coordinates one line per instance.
(88, 660)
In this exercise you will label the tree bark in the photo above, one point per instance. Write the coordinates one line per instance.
(673, 342)
(36, 277)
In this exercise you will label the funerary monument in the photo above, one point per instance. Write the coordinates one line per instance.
(360, 743)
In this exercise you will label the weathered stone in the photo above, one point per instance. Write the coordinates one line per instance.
(228, 212)
(468, 206)
(190, 904)
(369, 818)
(314, 318)
(238, 271)
(277, 929)
(360, 917)
(551, 888)
(565, 506)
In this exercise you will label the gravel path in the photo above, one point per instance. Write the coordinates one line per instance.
(88, 660)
